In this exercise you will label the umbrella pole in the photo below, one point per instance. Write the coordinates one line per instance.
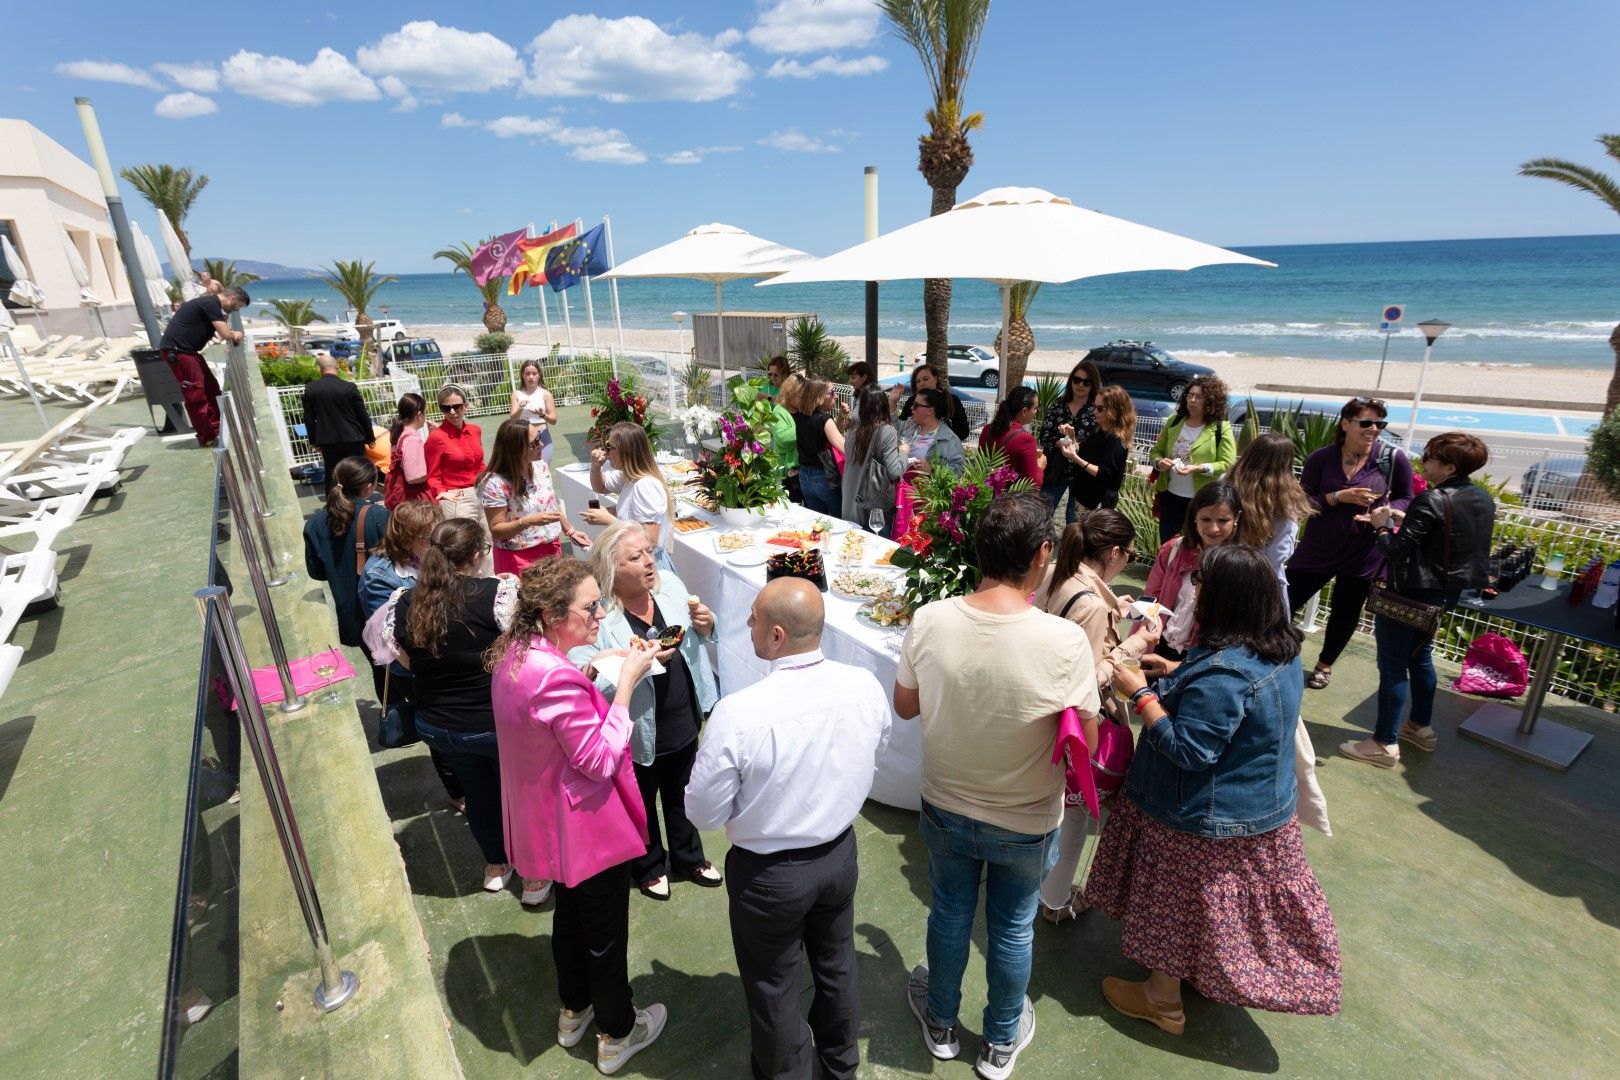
(100, 321)
(1001, 353)
(16, 357)
(720, 330)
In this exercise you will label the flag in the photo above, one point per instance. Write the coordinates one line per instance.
(533, 263)
(498, 256)
(585, 257)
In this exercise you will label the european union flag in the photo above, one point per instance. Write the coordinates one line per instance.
(585, 257)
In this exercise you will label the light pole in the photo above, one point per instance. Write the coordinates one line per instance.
(1432, 329)
(680, 326)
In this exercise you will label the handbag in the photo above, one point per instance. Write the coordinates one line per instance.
(360, 539)
(398, 725)
(1493, 667)
(1420, 615)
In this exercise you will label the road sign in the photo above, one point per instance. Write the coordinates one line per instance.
(1389, 321)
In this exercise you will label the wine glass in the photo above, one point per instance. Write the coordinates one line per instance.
(326, 666)
(875, 521)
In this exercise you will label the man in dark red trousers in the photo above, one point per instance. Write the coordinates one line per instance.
(191, 328)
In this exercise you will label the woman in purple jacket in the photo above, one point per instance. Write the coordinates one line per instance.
(1343, 481)
(573, 812)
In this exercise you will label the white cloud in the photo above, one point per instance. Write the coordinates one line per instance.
(796, 141)
(826, 65)
(801, 26)
(608, 146)
(426, 55)
(107, 71)
(632, 59)
(465, 210)
(696, 155)
(329, 77)
(202, 78)
(185, 105)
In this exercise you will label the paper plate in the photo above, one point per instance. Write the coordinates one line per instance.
(575, 467)
(748, 557)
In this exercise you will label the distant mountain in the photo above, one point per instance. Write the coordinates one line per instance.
(254, 266)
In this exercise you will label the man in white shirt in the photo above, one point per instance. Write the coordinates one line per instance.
(990, 677)
(785, 765)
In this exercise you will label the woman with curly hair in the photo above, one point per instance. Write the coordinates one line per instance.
(1273, 502)
(1195, 447)
(573, 811)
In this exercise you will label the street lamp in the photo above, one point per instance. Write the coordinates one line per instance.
(680, 325)
(1432, 329)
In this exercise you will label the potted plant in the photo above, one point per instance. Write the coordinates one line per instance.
(937, 548)
(740, 477)
(616, 403)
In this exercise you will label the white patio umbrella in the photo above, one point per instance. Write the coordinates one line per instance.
(81, 274)
(179, 260)
(1013, 234)
(717, 253)
(23, 290)
(151, 269)
(6, 324)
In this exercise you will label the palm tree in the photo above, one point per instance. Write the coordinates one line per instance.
(1021, 340)
(295, 316)
(460, 260)
(1604, 186)
(355, 282)
(225, 272)
(815, 353)
(945, 35)
(168, 189)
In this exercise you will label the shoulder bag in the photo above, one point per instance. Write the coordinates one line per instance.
(397, 727)
(360, 538)
(1418, 614)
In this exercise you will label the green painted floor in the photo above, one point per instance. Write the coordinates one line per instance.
(1477, 898)
(95, 736)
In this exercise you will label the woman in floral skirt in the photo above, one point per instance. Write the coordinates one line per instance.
(1202, 859)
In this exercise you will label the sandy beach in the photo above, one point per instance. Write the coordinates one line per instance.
(1497, 382)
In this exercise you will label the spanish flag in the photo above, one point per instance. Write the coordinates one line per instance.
(534, 258)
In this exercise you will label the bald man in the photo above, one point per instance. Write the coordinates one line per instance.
(335, 418)
(785, 766)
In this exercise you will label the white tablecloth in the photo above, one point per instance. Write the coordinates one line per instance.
(729, 590)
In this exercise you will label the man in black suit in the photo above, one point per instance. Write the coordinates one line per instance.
(335, 419)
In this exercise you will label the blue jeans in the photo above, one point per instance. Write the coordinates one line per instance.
(1405, 668)
(961, 852)
(819, 495)
(474, 758)
(1054, 490)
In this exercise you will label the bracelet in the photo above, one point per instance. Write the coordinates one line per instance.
(1142, 693)
(1142, 705)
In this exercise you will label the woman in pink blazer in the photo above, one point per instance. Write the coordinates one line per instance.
(573, 812)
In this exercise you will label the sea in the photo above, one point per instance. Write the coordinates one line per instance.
(1529, 301)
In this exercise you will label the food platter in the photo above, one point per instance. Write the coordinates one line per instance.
(734, 540)
(861, 584)
(884, 614)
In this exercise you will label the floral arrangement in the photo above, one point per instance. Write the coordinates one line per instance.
(700, 421)
(741, 475)
(618, 402)
(937, 547)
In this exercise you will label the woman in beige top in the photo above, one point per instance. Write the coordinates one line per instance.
(1094, 549)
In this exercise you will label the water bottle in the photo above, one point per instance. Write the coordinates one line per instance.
(1608, 590)
(1549, 576)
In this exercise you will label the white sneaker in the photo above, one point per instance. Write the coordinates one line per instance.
(996, 1060)
(611, 1054)
(535, 893)
(497, 882)
(571, 1026)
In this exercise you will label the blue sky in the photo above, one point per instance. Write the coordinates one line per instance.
(385, 131)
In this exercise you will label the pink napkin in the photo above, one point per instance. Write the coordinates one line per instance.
(268, 684)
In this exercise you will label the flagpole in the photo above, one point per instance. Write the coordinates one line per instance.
(613, 283)
(590, 309)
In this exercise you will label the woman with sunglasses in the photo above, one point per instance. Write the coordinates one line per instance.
(1072, 416)
(1097, 464)
(1008, 432)
(955, 415)
(521, 507)
(1344, 481)
(571, 806)
(455, 457)
(648, 605)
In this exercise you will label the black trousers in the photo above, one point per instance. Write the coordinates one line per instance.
(664, 781)
(336, 452)
(397, 690)
(778, 903)
(1349, 594)
(1172, 515)
(590, 946)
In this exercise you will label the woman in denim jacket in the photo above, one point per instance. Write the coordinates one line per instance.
(1202, 859)
(646, 602)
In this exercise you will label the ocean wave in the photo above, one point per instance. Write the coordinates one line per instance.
(1351, 332)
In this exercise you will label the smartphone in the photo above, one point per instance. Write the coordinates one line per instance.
(594, 504)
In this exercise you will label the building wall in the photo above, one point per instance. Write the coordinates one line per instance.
(49, 197)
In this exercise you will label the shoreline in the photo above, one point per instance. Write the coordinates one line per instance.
(1242, 373)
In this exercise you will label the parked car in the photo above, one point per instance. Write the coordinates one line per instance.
(1550, 484)
(412, 349)
(388, 329)
(1141, 367)
(972, 364)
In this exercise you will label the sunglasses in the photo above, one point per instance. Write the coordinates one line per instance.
(453, 408)
(595, 609)
(1079, 380)
(1379, 424)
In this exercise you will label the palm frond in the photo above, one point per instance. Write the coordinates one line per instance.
(945, 35)
(1021, 297)
(1580, 177)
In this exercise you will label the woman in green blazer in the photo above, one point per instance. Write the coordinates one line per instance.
(1195, 447)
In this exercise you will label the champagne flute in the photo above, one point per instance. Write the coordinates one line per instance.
(326, 666)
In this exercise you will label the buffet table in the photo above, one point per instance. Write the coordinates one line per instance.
(728, 584)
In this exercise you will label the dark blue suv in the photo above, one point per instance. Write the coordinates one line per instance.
(1144, 369)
